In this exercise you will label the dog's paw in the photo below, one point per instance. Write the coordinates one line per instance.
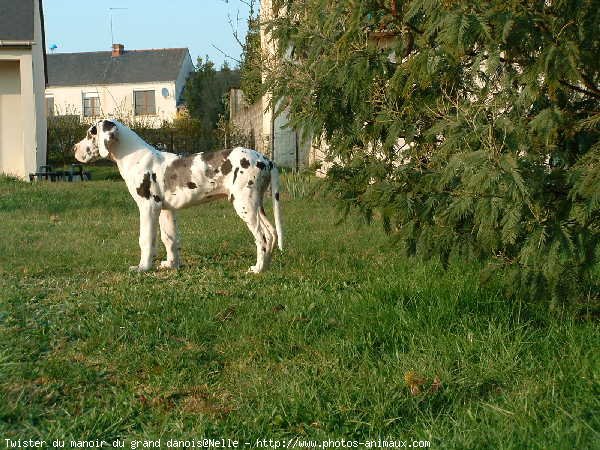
(138, 269)
(254, 269)
(169, 265)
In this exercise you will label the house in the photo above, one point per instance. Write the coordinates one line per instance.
(22, 83)
(144, 86)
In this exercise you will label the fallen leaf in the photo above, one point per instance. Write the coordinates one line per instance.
(436, 385)
(414, 381)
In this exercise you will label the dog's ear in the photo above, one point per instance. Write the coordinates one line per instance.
(108, 136)
(92, 131)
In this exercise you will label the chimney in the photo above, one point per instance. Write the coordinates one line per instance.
(117, 50)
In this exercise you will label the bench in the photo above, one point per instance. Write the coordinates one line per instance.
(46, 173)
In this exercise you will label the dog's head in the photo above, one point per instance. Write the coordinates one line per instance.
(98, 142)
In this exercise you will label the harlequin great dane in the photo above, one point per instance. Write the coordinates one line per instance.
(161, 183)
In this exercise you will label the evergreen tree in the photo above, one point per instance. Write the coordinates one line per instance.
(473, 131)
(205, 89)
(251, 66)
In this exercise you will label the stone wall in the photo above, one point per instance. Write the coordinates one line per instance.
(273, 137)
(249, 120)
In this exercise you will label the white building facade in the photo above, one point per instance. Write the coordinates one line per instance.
(22, 83)
(142, 86)
(271, 133)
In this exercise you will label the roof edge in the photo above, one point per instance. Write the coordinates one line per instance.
(126, 51)
(108, 84)
(41, 7)
(13, 43)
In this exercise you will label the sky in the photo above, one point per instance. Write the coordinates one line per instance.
(200, 25)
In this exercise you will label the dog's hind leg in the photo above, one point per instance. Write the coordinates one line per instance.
(169, 237)
(269, 235)
(247, 206)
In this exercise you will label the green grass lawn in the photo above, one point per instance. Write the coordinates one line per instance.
(328, 344)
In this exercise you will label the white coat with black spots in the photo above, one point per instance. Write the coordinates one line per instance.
(161, 183)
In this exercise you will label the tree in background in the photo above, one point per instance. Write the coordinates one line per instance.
(206, 92)
(473, 131)
(251, 65)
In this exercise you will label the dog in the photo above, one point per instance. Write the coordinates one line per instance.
(162, 183)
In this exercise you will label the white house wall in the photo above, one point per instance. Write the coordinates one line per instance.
(11, 123)
(116, 100)
(22, 120)
(186, 69)
(289, 149)
(22, 115)
(34, 161)
(285, 144)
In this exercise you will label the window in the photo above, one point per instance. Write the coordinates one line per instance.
(91, 105)
(144, 103)
(49, 106)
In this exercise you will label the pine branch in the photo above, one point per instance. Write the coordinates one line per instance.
(592, 90)
(588, 83)
(580, 90)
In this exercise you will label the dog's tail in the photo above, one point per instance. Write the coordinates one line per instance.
(276, 210)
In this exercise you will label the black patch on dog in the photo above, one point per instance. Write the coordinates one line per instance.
(211, 197)
(262, 210)
(210, 172)
(264, 238)
(245, 163)
(235, 174)
(232, 198)
(226, 167)
(214, 159)
(154, 177)
(209, 157)
(94, 131)
(277, 196)
(264, 250)
(107, 125)
(250, 183)
(179, 173)
(110, 129)
(144, 189)
(261, 165)
(191, 185)
(157, 199)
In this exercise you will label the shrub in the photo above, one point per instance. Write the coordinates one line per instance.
(474, 130)
(300, 185)
(63, 132)
(183, 135)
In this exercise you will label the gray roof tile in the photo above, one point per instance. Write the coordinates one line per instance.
(99, 68)
(16, 20)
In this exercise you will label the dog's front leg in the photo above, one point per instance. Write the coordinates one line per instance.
(148, 228)
(168, 234)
